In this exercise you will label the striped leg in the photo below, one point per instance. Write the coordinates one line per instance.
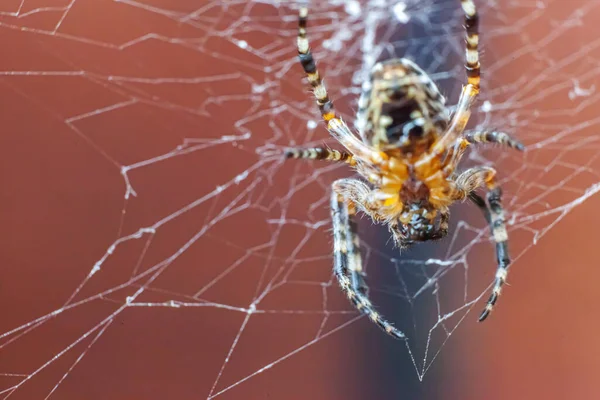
(320, 153)
(310, 67)
(355, 266)
(455, 154)
(347, 264)
(336, 127)
(363, 105)
(494, 137)
(472, 27)
(470, 91)
(494, 214)
(498, 227)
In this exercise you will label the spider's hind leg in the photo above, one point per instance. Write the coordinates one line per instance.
(494, 214)
(347, 264)
(500, 236)
(355, 266)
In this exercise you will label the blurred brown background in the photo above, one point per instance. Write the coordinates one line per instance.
(152, 246)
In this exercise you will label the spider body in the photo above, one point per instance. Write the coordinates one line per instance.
(407, 150)
(401, 110)
(402, 113)
(404, 201)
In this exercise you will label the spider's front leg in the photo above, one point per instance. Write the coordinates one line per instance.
(470, 91)
(347, 195)
(338, 128)
(467, 182)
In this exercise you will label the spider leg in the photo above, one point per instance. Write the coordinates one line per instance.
(319, 153)
(360, 123)
(470, 90)
(494, 214)
(354, 258)
(472, 65)
(310, 68)
(472, 179)
(455, 154)
(480, 202)
(338, 129)
(494, 137)
(347, 264)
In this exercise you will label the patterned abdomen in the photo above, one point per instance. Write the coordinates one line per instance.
(401, 108)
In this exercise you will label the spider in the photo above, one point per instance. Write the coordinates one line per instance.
(408, 149)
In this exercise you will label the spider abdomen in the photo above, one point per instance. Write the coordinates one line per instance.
(401, 108)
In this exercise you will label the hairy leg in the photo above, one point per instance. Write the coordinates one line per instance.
(494, 214)
(347, 264)
(310, 68)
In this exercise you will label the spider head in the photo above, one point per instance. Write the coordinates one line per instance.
(416, 224)
(401, 108)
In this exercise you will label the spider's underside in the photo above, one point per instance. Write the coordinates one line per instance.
(408, 152)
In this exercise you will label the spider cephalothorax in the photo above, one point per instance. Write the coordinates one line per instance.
(408, 150)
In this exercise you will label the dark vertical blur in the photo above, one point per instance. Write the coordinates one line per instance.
(390, 370)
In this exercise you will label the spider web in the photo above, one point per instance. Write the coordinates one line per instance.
(157, 244)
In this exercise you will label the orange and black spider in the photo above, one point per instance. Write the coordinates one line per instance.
(408, 150)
